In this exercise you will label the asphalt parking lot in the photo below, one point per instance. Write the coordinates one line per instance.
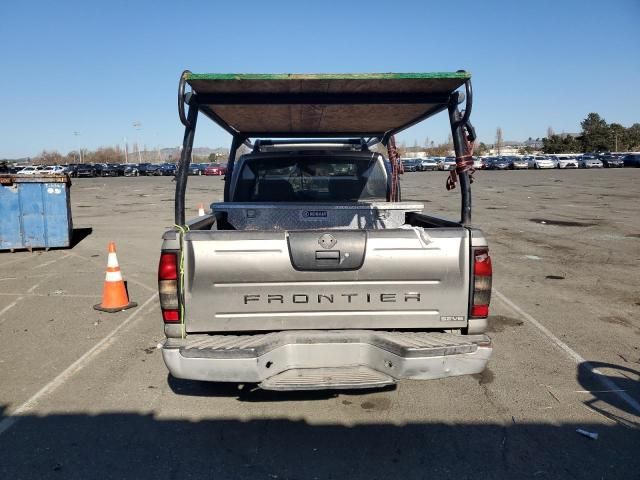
(85, 394)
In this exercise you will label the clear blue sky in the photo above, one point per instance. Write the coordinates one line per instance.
(96, 67)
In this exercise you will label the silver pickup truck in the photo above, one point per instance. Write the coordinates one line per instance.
(312, 274)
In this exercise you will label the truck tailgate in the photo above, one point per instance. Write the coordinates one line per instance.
(279, 280)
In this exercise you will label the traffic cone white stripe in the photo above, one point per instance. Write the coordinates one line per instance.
(112, 260)
(113, 276)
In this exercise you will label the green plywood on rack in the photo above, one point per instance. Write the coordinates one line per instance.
(325, 76)
(262, 105)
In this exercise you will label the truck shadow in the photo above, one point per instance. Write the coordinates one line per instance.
(130, 445)
(251, 393)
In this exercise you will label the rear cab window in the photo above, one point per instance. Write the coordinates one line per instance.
(304, 178)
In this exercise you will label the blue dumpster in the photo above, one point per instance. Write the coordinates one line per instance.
(35, 212)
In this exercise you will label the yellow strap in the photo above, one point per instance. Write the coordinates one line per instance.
(181, 231)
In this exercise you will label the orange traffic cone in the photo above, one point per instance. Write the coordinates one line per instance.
(201, 210)
(114, 294)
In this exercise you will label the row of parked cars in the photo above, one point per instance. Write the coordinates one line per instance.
(514, 162)
(409, 164)
(77, 170)
(428, 164)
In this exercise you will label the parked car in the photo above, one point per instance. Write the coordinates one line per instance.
(540, 161)
(563, 161)
(53, 170)
(85, 170)
(121, 167)
(142, 168)
(518, 163)
(197, 168)
(30, 170)
(500, 163)
(218, 169)
(130, 170)
(166, 169)
(483, 163)
(631, 160)
(589, 161)
(409, 165)
(447, 163)
(612, 161)
(427, 164)
(71, 169)
(147, 168)
(105, 170)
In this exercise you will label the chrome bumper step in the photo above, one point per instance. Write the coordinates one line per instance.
(327, 379)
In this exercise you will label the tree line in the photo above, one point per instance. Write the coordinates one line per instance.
(596, 136)
(433, 149)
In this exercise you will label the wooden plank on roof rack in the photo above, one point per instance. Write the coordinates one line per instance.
(324, 104)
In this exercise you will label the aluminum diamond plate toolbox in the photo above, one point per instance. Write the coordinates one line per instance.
(304, 216)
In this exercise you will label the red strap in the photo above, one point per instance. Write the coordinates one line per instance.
(464, 163)
(396, 169)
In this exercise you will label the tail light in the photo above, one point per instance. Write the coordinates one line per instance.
(482, 274)
(168, 287)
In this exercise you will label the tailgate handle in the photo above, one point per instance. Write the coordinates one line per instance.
(329, 256)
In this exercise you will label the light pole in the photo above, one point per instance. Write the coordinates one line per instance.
(77, 134)
(137, 125)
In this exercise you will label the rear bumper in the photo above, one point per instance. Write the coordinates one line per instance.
(316, 358)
